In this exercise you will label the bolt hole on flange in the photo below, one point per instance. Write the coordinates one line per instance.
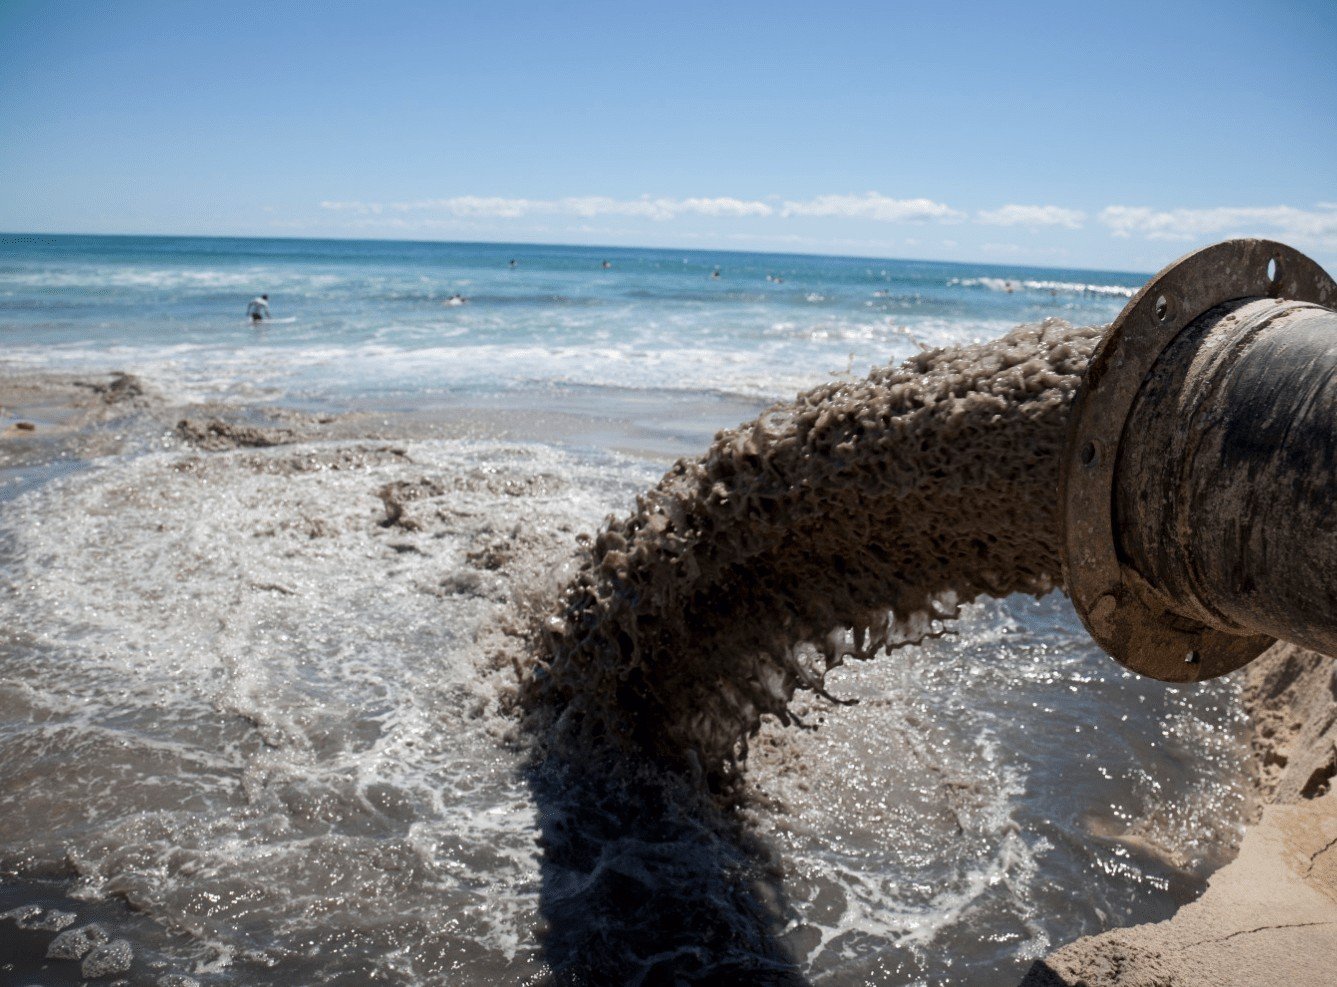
(1090, 454)
(1192, 658)
(1162, 309)
(1273, 272)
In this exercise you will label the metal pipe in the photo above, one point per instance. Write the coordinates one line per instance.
(1226, 484)
(1200, 487)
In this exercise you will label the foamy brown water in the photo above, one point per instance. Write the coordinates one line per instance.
(852, 519)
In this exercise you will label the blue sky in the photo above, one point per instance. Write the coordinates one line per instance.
(1064, 134)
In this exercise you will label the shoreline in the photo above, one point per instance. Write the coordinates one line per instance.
(82, 415)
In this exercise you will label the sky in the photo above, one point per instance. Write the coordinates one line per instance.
(1058, 134)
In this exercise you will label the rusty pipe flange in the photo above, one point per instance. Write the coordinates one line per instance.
(1125, 616)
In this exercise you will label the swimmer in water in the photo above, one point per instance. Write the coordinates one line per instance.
(456, 299)
(715, 274)
(512, 263)
(607, 264)
(258, 309)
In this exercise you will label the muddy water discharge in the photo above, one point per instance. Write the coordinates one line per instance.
(859, 517)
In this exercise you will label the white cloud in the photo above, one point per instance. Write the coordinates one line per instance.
(1318, 225)
(660, 208)
(588, 206)
(354, 207)
(727, 207)
(472, 206)
(1015, 215)
(871, 205)
(584, 207)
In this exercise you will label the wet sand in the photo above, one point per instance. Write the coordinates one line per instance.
(88, 415)
(34, 913)
(1270, 915)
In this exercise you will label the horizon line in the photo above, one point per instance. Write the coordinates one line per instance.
(580, 246)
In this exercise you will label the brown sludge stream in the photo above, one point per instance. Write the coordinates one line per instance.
(746, 575)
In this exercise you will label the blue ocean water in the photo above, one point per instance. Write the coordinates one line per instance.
(374, 320)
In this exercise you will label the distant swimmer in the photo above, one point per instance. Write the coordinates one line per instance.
(258, 309)
(715, 274)
(456, 299)
(607, 264)
(512, 263)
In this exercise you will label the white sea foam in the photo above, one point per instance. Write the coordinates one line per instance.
(264, 686)
(101, 278)
(1028, 284)
(203, 371)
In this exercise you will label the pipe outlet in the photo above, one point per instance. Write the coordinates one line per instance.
(1199, 488)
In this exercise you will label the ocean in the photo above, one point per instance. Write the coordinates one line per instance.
(372, 321)
(253, 718)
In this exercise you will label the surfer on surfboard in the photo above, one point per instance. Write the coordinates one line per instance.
(258, 308)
